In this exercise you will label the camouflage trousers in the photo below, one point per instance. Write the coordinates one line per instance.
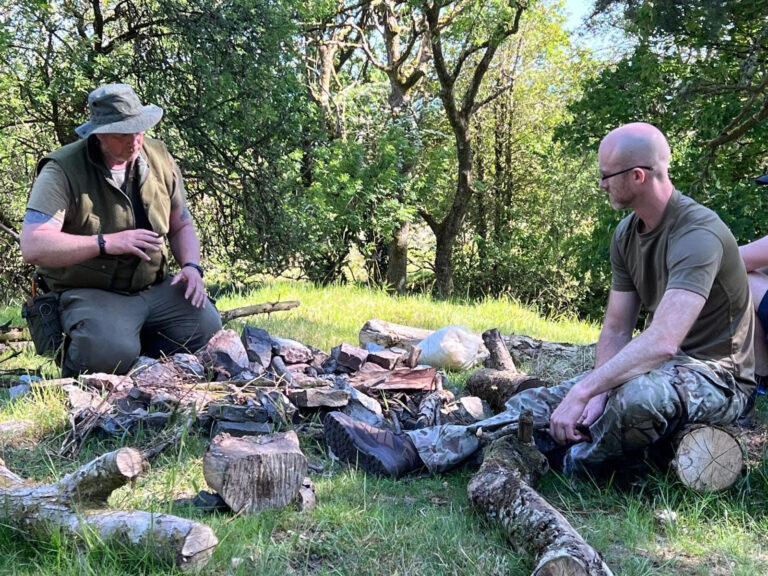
(638, 413)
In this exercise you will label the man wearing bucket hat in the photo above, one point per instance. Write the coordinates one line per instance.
(97, 219)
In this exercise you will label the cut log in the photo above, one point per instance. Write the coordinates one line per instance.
(502, 490)
(68, 506)
(266, 308)
(319, 398)
(254, 473)
(388, 334)
(498, 386)
(240, 429)
(387, 359)
(500, 358)
(707, 458)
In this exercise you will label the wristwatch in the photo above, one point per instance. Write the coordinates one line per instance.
(197, 267)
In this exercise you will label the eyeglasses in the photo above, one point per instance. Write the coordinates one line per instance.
(604, 178)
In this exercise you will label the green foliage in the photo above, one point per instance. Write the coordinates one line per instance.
(535, 206)
(697, 72)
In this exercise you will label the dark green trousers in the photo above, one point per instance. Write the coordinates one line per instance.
(107, 331)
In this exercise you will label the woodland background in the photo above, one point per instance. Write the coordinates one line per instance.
(429, 146)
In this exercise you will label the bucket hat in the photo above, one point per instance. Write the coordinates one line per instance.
(115, 109)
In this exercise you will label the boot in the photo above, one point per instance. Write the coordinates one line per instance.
(371, 449)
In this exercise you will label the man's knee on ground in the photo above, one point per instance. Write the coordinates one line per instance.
(88, 354)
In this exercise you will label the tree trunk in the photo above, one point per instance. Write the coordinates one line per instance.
(68, 506)
(502, 490)
(443, 265)
(397, 267)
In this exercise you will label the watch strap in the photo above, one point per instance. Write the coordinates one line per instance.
(197, 267)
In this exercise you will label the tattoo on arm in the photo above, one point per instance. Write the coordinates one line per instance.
(185, 215)
(35, 217)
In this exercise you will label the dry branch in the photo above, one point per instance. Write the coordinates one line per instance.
(265, 308)
(74, 506)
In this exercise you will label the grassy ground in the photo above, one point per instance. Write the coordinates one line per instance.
(370, 526)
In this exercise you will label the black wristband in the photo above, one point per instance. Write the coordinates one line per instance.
(102, 245)
(197, 267)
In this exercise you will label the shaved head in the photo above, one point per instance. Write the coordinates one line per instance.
(636, 144)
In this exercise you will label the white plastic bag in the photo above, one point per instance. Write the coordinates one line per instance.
(452, 348)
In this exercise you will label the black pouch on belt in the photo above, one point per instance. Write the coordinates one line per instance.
(44, 322)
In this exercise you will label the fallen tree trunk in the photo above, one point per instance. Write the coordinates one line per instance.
(73, 506)
(707, 458)
(265, 308)
(502, 491)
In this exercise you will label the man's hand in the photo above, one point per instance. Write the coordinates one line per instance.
(136, 242)
(565, 419)
(593, 411)
(195, 292)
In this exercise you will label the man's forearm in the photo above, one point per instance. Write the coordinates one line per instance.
(755, 254)
(639, 356)
(185, 245)
(57, 249)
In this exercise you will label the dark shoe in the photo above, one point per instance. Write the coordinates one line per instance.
(371, 449)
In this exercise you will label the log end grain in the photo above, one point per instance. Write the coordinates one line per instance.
(707, 458)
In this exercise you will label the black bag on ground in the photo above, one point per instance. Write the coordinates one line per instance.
(44, 322)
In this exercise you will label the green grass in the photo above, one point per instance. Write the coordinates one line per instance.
(370, 526)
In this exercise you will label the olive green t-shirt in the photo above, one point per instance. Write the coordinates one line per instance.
(692, 249)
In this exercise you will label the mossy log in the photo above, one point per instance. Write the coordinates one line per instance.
(502, 490)
(74, 505)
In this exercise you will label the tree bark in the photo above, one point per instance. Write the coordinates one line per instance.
(68, 506)
(502, 490)
(498, 386)
(397, 266)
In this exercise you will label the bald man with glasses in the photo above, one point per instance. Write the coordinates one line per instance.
(693, 363)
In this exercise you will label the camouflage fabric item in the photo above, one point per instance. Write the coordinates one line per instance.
(639, 413)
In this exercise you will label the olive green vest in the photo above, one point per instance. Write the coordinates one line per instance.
(100, 207)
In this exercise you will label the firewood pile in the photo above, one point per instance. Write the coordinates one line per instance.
(253, 383)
